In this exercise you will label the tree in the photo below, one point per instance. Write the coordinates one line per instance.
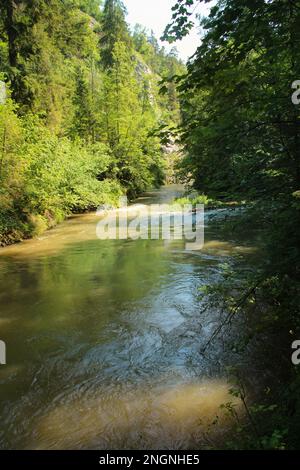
(79, 124)
(128, 119)
(114, 30)
(245, 130)
(240, 132)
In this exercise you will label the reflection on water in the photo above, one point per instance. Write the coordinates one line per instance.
(104, 340)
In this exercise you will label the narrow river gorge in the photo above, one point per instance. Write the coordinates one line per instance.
(104, 339)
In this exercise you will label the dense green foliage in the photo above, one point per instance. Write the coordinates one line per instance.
(78, 126)
(241, 131)
(89, 105)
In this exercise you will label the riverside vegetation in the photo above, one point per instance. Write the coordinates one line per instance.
(89, 109)
(240, 130)
(78, 127)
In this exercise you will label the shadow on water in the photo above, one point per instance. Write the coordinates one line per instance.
(104, 338)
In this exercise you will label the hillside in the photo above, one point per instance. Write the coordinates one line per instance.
(78, 126)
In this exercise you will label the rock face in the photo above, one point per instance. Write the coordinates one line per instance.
(146, 75)
(142, 68)
(173, 153)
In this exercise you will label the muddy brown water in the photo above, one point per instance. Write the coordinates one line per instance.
(104, 340)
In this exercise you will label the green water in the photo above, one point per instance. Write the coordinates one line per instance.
(104, 340)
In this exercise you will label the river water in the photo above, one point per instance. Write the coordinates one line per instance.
(104, 340)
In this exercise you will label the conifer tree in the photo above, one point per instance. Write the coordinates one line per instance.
(114, 29)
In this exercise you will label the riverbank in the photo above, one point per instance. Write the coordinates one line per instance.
(186, 336)
(14, 230)
(111, 335)
(17, 227)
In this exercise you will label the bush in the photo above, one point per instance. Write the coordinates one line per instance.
(45, 177)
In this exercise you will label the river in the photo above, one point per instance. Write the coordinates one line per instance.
(104, 340)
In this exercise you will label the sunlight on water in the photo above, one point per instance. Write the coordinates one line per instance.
(104, 340)
(218, 247)
(172, 418)
(76, 229)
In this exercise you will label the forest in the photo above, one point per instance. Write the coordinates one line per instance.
(241, 128)
(91, 107)
(79, 124)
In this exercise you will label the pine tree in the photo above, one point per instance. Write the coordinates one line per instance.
(84, 121)
(114, 29)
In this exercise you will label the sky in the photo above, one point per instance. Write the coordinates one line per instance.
(156, 14)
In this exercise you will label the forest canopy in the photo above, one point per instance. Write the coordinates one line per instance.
(78, 127)
(240, 132)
